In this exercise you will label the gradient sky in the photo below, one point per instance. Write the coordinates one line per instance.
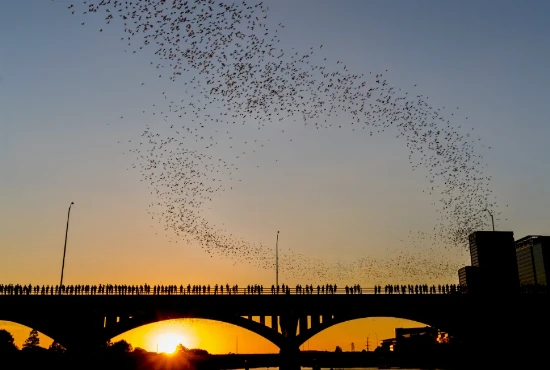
(332, 194)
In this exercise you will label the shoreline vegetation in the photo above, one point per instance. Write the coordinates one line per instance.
(121, 356)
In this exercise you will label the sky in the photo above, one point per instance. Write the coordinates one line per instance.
(333, 194)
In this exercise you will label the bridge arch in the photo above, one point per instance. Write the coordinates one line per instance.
(252, 326)
(302, 338)
(20, 330)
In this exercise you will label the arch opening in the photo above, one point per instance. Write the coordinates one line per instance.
(20, 333)
(215, 335)
(356, 334)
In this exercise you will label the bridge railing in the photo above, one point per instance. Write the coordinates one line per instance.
(115, 289)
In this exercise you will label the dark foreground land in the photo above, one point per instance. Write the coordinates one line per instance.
(37, 360)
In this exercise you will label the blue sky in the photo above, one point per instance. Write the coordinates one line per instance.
(333, 194)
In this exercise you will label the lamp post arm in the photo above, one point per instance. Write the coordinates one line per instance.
(492, 218)
(65, 247)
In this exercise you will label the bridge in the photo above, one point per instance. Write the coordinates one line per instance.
(84, 322)
(82, 319)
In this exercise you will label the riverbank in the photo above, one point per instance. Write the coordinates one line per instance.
(147, 360)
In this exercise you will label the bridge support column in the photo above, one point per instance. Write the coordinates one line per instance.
(85, 336)
(275, 323)
(303, 324)
(315, 321)
(289, 324)
(290, 359)
(290, 351)
(91, 344)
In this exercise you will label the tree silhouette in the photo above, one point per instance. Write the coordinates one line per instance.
(32, 342)
(139, 351)
(57, 348)
(120, 347)
(181, 349)
(106, 345)
(198, 352)
(338, 349)
(7, 342)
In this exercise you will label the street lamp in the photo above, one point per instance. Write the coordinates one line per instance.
(277, 262)
(492, 218)
(65, 247)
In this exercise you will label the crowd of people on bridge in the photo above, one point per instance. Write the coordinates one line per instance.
(255, 289)
(421, 289)
(146, 289)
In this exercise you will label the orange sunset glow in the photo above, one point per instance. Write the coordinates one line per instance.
(211, 180)
(167, 342)
(221, 338)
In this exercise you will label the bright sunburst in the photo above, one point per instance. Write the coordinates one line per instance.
(167, 342)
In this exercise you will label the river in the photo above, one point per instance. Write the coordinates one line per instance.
(351, 368)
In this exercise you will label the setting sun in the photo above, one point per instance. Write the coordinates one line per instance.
(167, 342)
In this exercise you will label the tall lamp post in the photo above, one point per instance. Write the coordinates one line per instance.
(492, 218)
(277, 262)
(65, 247)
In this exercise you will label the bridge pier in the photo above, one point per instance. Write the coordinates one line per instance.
(85, 346)
(289, 349)
(289, 359)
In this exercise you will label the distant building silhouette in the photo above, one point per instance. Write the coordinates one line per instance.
(494, 253)
(410, 339)
(415, 339)
(469, 277)
(401, 333)
(533, 259)
(388, 345)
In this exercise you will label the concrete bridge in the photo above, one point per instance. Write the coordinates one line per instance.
(81, 323)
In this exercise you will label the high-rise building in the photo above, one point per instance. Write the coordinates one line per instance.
(533, 258)
(468, 278)
(494, 253)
